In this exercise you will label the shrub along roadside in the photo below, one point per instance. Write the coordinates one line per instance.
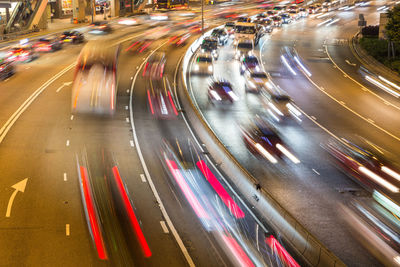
(378, 49)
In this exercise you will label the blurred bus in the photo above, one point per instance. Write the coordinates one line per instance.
(95, 80)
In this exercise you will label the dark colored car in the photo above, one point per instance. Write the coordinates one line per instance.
(221, 35)
(277, 20)
(72, 37)
(49, 44)
(100, 27)
(367, 168)
(221, 91)
(249, 63)
(286, 18)
(210, 44)
(261, 138)
(7, 69)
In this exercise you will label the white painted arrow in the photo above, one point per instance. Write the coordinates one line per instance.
(19, 187)
(351, 64)
(62, 86)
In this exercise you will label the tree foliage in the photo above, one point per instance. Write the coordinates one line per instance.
(393, 25)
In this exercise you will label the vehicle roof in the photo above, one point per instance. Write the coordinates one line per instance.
(245, 24)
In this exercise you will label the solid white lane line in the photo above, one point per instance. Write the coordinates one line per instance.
(132, 144)
(67, 230)
(14, 117)
(147, 173)
(65, 176)
(164, 227)
(362, 86)
(315, 171)
(143, 177)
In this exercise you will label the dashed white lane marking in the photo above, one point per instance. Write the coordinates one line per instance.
(67, 230)
(132, 144)
(72, 117)
(131, 78)
(143, 177)
(6, 79)
(164, 227)
(316, 171)
(67, 143)
(27, 68)
(312, 117)
(127, 120)
(126, 107)
(65, 176)
(127, 90)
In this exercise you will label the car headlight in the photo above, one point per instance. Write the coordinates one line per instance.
(210, 68)
(257, 68)
(196, 67)
(243, 67)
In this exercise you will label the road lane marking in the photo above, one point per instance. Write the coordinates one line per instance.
(127, 90)
(164, 227)
(315, 171)
(127, 120)
(362, 86)
(132, 144)
(313, 118)
(65, 176)
(62, 86)
(370, 120)
(72, 117)
(67, 232)
(342, 103)
(19, 187)
(67, 144)
(14, 117)
(126, 107)
(146, 171)
(351, 64)
(143, 177)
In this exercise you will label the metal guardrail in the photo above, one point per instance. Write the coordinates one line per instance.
(302, 241)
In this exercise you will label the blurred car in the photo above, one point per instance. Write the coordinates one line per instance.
(161, 103)
(312, 9)
(49, 44)
(221, 91)
(179, 38)
(100, 27)
(367, 168)
(210, 45)
(277, 21)
(266, 24)
(154, 67)
(261, 138)
(221, 34)
(244, 47)
(294, 14)
(21, 54)
(303, 12)
(244, 19)
(279, 9)
(139, 46)
(271, 13)
(286, 18)
(72, 37)
(230, 27)
(280, 106)
(203, 64)
(255, 81)
(249, 62)
(7, 69)
(94, 90)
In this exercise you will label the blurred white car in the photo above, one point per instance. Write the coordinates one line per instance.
(203, 64)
